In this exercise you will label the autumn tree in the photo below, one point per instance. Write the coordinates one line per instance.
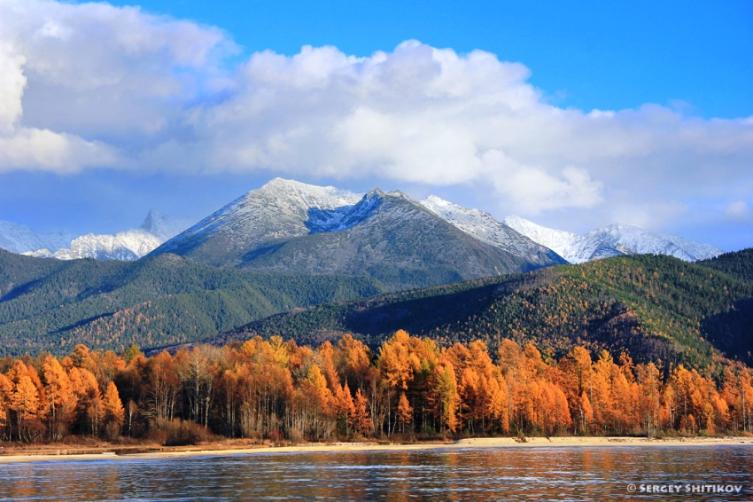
(737, 391)
(361, 421)
(396, 363)
(345, 408)
(24, 403)
(6, 389)
(89, 409)
(353, 361)
(59, 399)
(649, 403)
(272, 389)
(404, 412)
(162, 387)
(446, 400)
(113, 412)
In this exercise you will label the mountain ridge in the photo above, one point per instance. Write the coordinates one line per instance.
(611, 240)
(284, 209)
(288, 225)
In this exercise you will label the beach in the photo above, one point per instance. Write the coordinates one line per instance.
(115, 452)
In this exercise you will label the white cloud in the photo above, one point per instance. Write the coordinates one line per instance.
(90, 85)
(33, 147)
(97, 85)
(12, 85)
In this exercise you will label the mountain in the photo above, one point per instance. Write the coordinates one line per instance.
(653, 307)
(20, 238)
(612, 240)
(309, 251)
(290, 226)
(48, 304)
(257, 229)
(126, 245)
(485, 228)
(279, 210)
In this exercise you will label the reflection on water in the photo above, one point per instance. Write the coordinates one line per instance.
(475, 474)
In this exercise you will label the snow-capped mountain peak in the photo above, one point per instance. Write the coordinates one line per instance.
(280, 209)
(296, 194)
(611, 240)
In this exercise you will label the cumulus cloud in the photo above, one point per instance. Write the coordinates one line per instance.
(90, 85)
(95, 85)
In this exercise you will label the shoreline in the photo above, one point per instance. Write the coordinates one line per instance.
(114, 452)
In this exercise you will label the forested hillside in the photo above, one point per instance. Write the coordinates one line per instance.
(654, 307)
(738, 264)
(52, 305)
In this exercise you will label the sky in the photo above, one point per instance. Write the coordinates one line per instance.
(573, 114)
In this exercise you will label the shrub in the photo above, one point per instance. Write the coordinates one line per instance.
(179, 432)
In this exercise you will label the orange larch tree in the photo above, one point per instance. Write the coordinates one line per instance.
(113, 412)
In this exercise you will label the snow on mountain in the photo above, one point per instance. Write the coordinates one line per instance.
(484, 227)
(280, 209)
(300, 228)
(561, 242)
(126, 245)
(20, 238)
(343, 217)
(283, 209)
(612, 240)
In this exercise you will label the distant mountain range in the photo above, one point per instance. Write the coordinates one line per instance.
(127, 245)
(262, 228)
(612, 240)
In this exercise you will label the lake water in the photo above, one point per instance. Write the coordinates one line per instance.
(597, 473)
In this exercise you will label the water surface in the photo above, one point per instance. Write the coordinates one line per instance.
(576, 473)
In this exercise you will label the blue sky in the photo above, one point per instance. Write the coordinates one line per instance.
(588, 54)
(672, 150)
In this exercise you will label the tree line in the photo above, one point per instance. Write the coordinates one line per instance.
(411, 387)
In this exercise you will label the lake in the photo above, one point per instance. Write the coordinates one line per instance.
(582, 473)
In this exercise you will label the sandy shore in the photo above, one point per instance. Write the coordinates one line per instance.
(532, 442)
